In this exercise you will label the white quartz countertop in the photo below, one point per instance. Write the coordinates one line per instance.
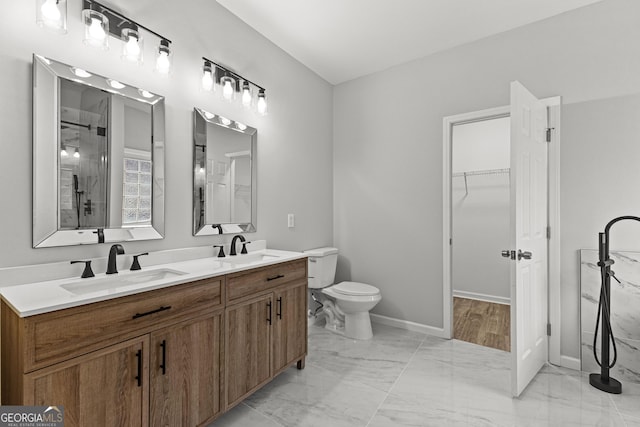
(43, 297)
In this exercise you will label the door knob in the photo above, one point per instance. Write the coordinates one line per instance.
(506, 253)
(525, 255)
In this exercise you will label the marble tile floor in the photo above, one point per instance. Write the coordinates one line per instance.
(402, 378)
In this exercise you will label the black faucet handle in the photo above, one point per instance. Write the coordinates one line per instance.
(221, 253)
(88, 272)
(244, 247)
(135, 265)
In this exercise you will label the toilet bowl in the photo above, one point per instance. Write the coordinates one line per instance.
(345, 305)
(355, 300)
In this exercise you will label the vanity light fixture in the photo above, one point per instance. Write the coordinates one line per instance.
(230, 83)
(76, 154)
(52, 14)
(63, 151)
(101, 21)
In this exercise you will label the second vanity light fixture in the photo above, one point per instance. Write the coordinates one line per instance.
(231, 83)
(101, 21)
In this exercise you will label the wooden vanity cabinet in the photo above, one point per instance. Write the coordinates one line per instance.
(176, 356)
(267, 333)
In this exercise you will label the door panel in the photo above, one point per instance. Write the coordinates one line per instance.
(290, 327)
(529, 277)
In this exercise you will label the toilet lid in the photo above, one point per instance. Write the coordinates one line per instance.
(355, 288)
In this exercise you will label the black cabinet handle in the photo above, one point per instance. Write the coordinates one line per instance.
(279, 276)
(139, 376)
(279, 310)
(163, 365)
(269, 307)
(158, 310)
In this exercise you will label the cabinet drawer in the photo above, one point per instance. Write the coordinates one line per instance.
(63, 334)
(251, 283)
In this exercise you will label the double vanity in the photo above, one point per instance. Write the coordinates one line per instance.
(172, 344)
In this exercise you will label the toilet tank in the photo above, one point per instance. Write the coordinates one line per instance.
(322, 267)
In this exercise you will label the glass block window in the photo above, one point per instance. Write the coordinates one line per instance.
(136, 192)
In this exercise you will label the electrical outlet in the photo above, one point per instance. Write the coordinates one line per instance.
(291, 221)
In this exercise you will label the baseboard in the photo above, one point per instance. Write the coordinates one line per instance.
(482, 297)
(405, 324)
(570, 362)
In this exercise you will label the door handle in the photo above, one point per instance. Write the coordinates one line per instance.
(269, 307)
(138, 377)
(525, 255)
(163, 365)
(279, 309)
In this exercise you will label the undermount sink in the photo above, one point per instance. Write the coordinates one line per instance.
(115, 281)
(249, 258)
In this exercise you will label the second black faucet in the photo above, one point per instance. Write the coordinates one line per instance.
(111, 263)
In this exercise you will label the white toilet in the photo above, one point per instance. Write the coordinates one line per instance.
(345, 305)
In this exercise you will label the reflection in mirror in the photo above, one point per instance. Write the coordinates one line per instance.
(98, 158)
(224, 175)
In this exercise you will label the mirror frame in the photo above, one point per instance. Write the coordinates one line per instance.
(226, 228)
(46, 134)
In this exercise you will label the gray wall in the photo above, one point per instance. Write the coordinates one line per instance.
(388, 150)
(294, 140)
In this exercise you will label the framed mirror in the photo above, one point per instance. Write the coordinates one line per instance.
(224, 175)
(98, 158)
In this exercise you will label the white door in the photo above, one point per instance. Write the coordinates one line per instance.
(528, 237)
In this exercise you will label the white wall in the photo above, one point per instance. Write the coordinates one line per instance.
(480, 210)
(294, 139)
(388, 149)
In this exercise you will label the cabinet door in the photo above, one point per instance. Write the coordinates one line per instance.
(290, 326)
(185, 369)
(247, 347)
(105, 388)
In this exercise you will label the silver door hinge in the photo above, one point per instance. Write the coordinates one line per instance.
(549, 233)
(549, 134)
(548, 329)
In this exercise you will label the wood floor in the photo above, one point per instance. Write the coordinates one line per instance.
(481, 322)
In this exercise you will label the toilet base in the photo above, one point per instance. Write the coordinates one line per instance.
(358, 326)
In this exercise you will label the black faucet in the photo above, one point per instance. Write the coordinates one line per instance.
(111, 264)
(218, 226)
(234, 241)
(100, 233)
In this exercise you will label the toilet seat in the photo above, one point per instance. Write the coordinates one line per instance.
(355, 289)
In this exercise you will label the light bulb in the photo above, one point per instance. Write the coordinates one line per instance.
(246, 94)
(96, 31)
(80, 72)
(132, 49)
(262, 103)
(209, 115)
(201, 167)
(227, 90)
(241, 126)
(207, 76)
(163, 60)
(63, 152)
(225, 121)
(145, 93)
(50, 11)
(76, 154)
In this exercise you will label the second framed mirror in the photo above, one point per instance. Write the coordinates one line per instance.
(224, 175)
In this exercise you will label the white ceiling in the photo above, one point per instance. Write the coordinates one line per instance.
(344, 39)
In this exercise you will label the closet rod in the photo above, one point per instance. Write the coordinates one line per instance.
(479, 172)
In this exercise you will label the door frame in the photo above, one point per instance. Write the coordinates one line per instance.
(553, 194)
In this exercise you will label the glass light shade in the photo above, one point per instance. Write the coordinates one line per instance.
(132, 45)
(207, 77)
(52, 14)
(247, 97)
(63, 151)
(164, 58)
(96, 29)
(76, 154)
(228, 88)
(261, 104)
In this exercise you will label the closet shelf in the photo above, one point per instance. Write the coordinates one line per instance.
(506, 171)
